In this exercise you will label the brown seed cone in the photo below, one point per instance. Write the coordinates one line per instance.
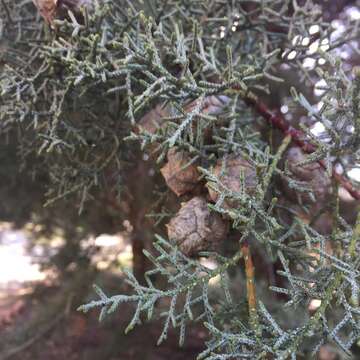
(288, 210)
(47, 9)
(154, 119)
(180, 177)
(51, 9)
(194, 228)
(212, 105)
(313, 176)
(326, 352)
(229, 176)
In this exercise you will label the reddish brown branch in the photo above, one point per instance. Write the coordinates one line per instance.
(298, 136)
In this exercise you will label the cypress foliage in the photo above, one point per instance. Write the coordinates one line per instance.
(193, 83)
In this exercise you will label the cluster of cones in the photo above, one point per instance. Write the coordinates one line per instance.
(195, 227)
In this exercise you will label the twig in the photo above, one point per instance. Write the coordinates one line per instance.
(7, 12)
(316, 318)
(35, 338)
(41, 332)
(298, 136)
(250, 286)
(355, 237)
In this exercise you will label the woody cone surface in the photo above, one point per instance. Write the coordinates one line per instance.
(194, 228)
(180, 176)
(229, 175)
(50, 9)
(312, 176)
(47, 9)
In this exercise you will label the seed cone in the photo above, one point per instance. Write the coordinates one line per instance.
(229, 175)
(47, 9)
(287, 210)
(312, 176)
(51, 9)
(180, 175)
(154, 119)
(194, 228)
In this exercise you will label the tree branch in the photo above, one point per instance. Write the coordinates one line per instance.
(298, 136)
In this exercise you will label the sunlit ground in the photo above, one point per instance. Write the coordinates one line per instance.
(16, 264)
